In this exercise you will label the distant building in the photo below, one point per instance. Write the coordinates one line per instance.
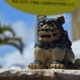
(76, 24)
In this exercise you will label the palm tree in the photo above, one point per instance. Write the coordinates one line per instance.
(14, 41)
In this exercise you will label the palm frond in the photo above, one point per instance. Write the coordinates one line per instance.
(15, 45)
(12, 41)
(6, 28)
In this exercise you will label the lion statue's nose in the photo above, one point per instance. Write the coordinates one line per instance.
(42, 30)
(47, 28)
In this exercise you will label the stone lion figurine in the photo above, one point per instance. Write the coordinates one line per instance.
(53, 49)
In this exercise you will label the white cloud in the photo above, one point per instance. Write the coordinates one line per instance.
(15, 57)
(24, 31)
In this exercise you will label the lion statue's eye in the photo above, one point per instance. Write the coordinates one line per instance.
(52, 24)
(41, 24)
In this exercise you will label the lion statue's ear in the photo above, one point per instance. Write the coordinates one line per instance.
(41, 17)
(61, 19)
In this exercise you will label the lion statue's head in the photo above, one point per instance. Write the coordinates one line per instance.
(50, 29)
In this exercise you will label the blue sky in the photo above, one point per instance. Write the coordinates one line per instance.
(23, 25)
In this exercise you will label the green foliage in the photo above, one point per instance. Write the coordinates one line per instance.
(77, 63)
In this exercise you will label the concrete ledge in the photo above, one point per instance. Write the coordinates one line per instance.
(40, 74)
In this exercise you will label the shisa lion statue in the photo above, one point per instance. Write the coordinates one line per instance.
(53, 49)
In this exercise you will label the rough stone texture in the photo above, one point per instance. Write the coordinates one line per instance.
(40, 74)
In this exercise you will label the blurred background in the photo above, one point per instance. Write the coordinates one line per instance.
(18, 35)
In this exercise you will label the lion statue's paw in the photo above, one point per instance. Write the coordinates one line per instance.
(35, 65)
(57, 66)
